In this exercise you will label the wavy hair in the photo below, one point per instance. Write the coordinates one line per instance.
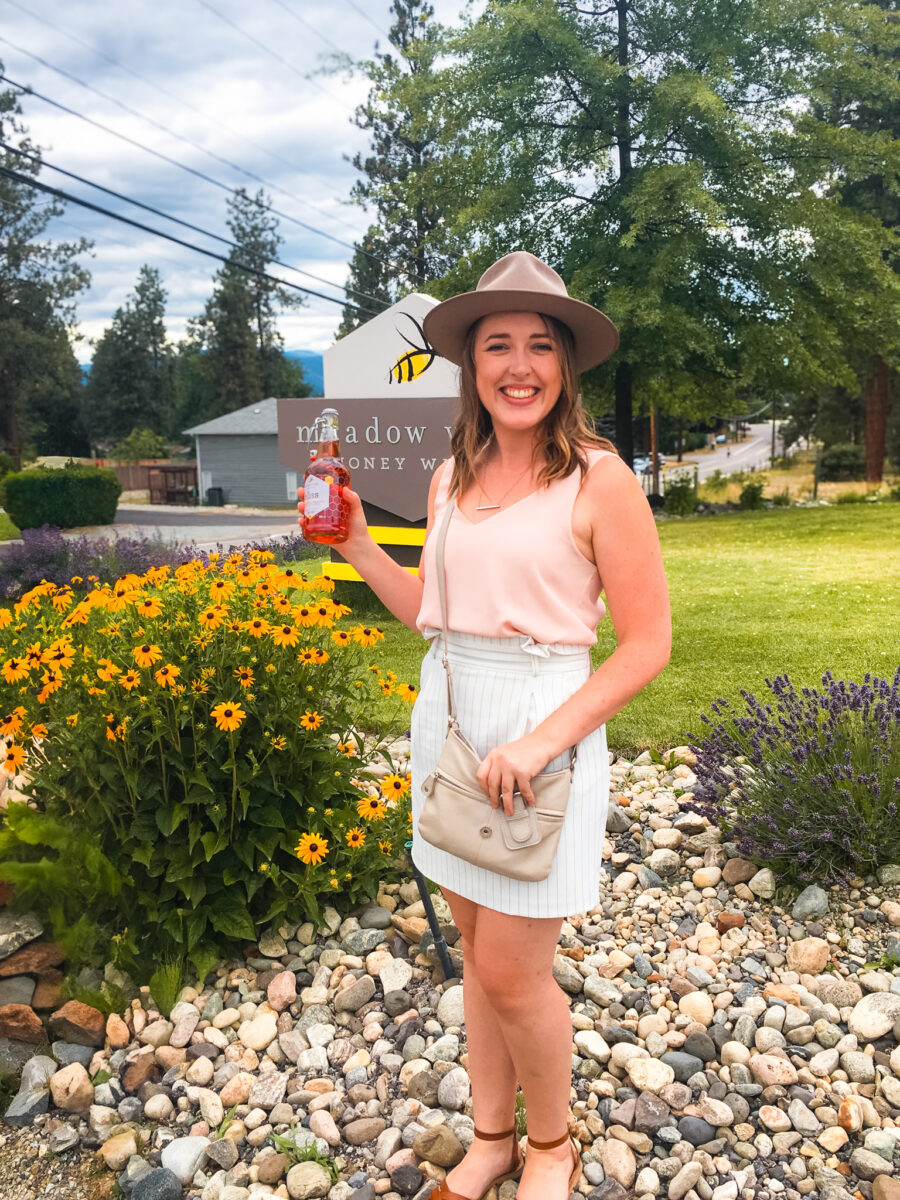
(565, 433)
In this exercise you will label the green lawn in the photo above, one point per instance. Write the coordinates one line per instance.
(793, 591)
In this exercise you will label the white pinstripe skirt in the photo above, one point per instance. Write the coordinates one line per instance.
(504, 688)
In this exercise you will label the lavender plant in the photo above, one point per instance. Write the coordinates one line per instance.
(809, 784)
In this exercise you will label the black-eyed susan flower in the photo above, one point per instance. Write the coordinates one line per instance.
(244, 676)
(11, 723)
(281, 604)
(5, 617)
(285, 635)
(323, 583)
(307, 657)
(228, 717)
(385, 847)
(211, 618)
(72, 719)
(321, 656)
(257, 627)
(130, 680)
(198, 687)
(311, 720)
(148, 606)
(279, 742)
(38, 730)
(395, 785)
(221, 589)
(341, 637)
(365, 635)
(60, 654)
(167, 675)
(408, 692)
(346, 748)
(371, 808)
(13, 759)
(63, 600)
(52, 681)
(33, 656)
(311, 848)
(305, 615)
(146, 654)
(355, 837)
(385, 686)
(110, 733)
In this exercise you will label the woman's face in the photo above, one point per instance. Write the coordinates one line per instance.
(516, 369)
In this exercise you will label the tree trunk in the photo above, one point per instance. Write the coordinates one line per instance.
(680, 440)
(624, 439)
(876, 396)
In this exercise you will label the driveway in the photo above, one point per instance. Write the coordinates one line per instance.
(753, 451)
(204, 527)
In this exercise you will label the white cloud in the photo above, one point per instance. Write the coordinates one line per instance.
(220, 91)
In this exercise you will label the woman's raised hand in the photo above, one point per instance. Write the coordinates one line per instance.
(358, 526)
(509, 769)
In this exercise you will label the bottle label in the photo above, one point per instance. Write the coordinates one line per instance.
(316, 495)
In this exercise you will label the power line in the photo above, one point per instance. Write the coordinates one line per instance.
(184, 103)
(29, 91)
(158, 212)
(272, 53)
(67, 196)
(308, 25)
(378, 28)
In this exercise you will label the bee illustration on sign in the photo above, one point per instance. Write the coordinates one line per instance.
(414, 362)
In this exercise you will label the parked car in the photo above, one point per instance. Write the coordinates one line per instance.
(642, 463)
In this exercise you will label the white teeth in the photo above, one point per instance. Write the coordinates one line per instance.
(520, 393)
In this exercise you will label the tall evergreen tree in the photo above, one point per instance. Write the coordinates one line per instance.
(370, 286)
(131, 385)
(39, 376)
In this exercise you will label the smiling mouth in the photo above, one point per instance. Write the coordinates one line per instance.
(519, 393)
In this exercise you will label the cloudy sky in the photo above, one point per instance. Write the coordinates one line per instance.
(227, 77)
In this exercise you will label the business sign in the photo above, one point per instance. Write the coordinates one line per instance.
(396, 401)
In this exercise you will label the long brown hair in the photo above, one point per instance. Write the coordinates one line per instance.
(566, 431)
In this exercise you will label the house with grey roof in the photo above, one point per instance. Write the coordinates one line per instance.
(238, 453)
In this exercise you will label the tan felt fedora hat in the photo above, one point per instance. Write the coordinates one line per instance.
(519, 282)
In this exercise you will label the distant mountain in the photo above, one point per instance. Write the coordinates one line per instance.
(312, 368)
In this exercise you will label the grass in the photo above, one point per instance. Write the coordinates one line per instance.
(754, 594)
(7, 529)
(796, 480)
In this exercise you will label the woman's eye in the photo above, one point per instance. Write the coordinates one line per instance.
(542, 346)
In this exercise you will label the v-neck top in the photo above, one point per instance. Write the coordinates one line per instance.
(518, 571)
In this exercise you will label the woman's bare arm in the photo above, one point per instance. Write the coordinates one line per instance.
(398, 589)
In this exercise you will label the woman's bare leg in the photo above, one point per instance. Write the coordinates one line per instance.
(514, 957)
(491, 1070)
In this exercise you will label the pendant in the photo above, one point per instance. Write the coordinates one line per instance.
(484, 507)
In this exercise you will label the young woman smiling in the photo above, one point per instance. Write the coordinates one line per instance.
(544, 516)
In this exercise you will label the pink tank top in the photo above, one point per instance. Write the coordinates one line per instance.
(517, 572)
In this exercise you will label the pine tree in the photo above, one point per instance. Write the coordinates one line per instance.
(369, 287)
(39, 376)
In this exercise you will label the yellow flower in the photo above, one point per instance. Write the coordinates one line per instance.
(235, 625)
(384, 847)
(346, 748)
(279, 743)
(308, 657)
(281, 604)
(263, 866)
(221, 589)
(130, 680)
(341, 637)
(110, 733)
(333, 882)
(33, 656)
(38, 730)
(198, 687)
(14, 669)
(146, 655)
(228, 716)
(61, 654)
(11, 724)
(72, 720)
(285, 635)
(149, 606)
(270, 667)
(120, 597)
(15, 756)
(324, 613)
(166, 675)
(311, 848)
(304, 615)
(322, 656)
(52, 681)
(211, 618)
(366, 635)
(386, 688)
(311, 720)
(78, 615)
(372, 808)
(323, 583)
(396, 785)
(355, 837)
(407, 692)
(257, 627)
(5, 617)
(245, 676)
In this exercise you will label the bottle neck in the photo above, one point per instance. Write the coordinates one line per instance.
(329, 449)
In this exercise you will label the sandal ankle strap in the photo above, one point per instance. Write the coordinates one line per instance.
(495, 1137)
(548, 1145)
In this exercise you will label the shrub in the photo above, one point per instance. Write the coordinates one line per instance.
(62, 496)
(843, 461)
(812, 787)
(751, 496)
(782, 499)
(850, 498)
(200, 737)
(680, 498)
(140, 443)
(716, 482)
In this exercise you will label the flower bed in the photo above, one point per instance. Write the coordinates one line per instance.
(201, 756)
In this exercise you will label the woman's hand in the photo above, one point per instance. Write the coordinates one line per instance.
(510, 768)
(358, 533)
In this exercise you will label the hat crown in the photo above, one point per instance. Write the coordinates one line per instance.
(521, 272)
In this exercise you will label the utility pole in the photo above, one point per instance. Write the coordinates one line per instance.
(772, 455)
(654, 457)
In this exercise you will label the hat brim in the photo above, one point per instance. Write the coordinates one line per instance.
(447, 325)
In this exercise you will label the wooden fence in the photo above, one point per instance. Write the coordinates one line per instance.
(135, 477)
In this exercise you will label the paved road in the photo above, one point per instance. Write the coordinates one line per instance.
(205, 528)
(753, 451)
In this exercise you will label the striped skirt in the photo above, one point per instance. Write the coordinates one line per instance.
(504, 688)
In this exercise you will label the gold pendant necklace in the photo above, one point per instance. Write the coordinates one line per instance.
(499, 504)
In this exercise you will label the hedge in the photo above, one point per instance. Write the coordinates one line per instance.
(62, 496)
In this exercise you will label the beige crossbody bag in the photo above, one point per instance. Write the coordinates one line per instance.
(457, 815)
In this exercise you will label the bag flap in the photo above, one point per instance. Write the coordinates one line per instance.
(521, 829)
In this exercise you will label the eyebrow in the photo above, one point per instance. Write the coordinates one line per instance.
(506, 335)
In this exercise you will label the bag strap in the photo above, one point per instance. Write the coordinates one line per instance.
(442, 591)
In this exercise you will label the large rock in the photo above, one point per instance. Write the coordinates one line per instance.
(35, 959)
(808, 955)
(20, 1023)
(874, 1015)
(184, 1156)
(17, 929)
(649, 1074)
(810, 904)
(72, 1089)
(763, 885)
(159, 1184)
(439, 1145)
(33, 1096)
(618, 1162)
(769, 1069)
(307, 1180)
(79, 1023)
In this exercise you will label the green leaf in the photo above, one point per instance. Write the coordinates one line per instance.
(234, 922)
(194, 927)
(213, 842)
(271, 815)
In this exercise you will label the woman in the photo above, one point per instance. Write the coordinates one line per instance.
(546, 515)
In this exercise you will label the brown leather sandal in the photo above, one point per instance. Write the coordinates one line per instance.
(443, 1192)
(577, 1169)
